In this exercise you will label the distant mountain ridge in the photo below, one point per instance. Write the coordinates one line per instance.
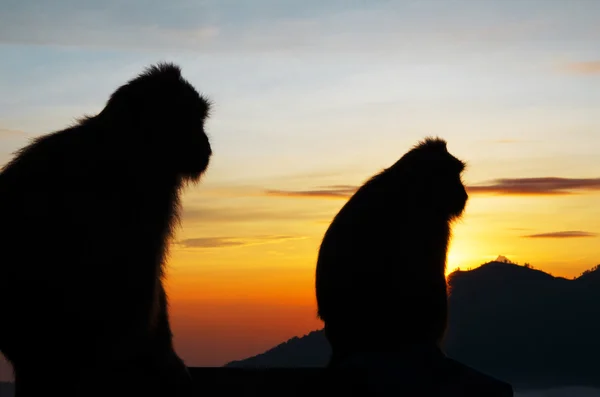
(514, 322)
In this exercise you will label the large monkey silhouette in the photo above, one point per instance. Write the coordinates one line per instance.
(86, 215)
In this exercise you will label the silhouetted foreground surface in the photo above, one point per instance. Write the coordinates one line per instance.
(278, 382)
(6, 390)
(319, 381)
(518, 324)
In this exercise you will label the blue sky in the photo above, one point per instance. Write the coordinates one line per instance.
(327, 92)
(299, 77)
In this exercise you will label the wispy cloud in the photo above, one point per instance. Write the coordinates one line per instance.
(334, 191)
(537, 186)
(224, 242)
(7, 132)
(378, 27)
(154, 38)
(209, 25)
(316, 174)
(515, 186)
(585, 68)
(115, 24)
(508, 141)
(565, 234)
(209, 242)
(220, 214)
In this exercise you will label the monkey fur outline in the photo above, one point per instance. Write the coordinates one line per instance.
(87, 213)
(380, 274)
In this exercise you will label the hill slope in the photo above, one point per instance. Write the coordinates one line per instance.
(516, 323)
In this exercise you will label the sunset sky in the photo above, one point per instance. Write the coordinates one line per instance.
(311, 98)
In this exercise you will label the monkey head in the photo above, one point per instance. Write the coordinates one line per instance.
(160, 117)
(430, 176)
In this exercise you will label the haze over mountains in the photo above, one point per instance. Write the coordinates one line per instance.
(514, 322)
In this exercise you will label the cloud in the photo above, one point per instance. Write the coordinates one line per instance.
(224, 242)
(7, 132)
(208, 25)
(114, 25)
(566, 234)
(333, 191)
(243, 213)
(537, 186)
(584, 68)
(379, 27)
(153, 38)
(508, 186)
(507, 141)
(209, 242)
(315, 174)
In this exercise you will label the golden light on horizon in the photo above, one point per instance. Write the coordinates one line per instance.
(453, 261)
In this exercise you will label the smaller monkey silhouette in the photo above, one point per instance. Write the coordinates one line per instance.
(380, 273)
(87, 213)
(380, 278)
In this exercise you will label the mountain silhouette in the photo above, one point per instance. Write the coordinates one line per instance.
(514, 322)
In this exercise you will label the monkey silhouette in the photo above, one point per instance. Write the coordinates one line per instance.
(380, 275)
(87, 214)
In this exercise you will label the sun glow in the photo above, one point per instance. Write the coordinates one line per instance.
(455, 258)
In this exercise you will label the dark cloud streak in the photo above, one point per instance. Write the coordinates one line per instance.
(545, 186)
(209, 242)
(224, 242)
(240, 214)
(335, 191)
(537, 186)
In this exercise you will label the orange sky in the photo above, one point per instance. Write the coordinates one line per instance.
(232, 301)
